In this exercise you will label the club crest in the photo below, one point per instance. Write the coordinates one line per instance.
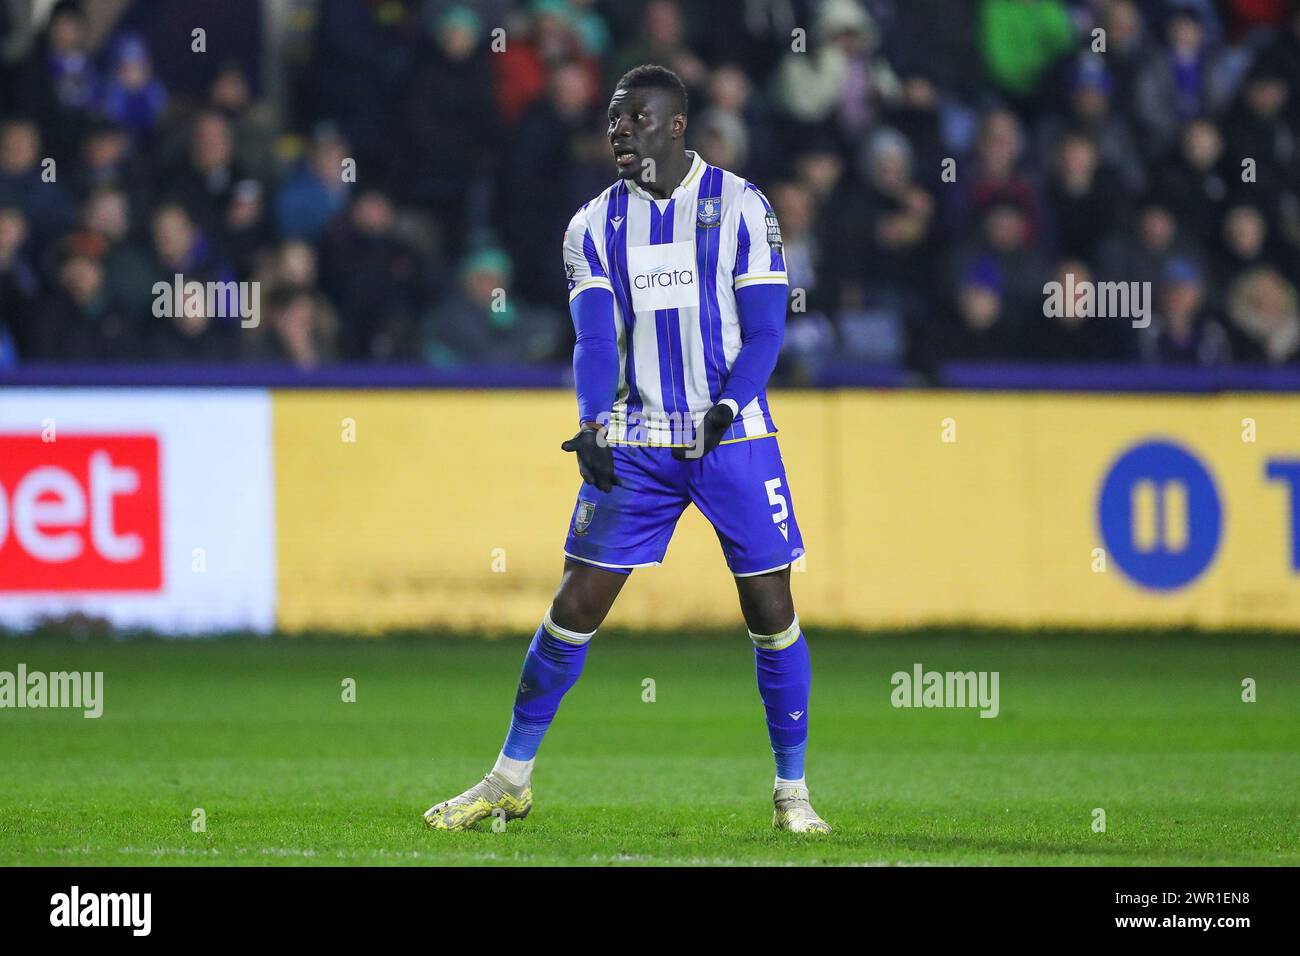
(709, 213)
(582, 517)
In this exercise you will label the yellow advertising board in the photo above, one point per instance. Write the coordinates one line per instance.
(426, 509)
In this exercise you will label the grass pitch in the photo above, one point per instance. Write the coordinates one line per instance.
(1150, 728)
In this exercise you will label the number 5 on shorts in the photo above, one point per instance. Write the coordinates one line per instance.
(776, 499)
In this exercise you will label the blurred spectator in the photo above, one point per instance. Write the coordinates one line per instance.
(877, 229)
(376, 279)
(59, 82)
(544, 39)
(248, 231)
(1265, 318)
(192, 332)
(795, 209)
(293, 265)
(128, 273)
(1078, 333)
(45, 205)
(1182, 332)
(662, 40)
(80, 321)
(254, 129)
(19, 285)
(482, 322)
(534, 192)
(1083, 197)
(998, 175)
(809, 334)
(841, 80)
(820, 167)
(205, 181)
(1245, 243)
(299, 329)
(1020, 266)
(1280, 53)
(448, 134)
(1195, 184)
(1143, 254)
(109, 159)
(315, 191)
(1190, 77)
(1129, 46)
(1261, 131)
(974, 326)
(133, 97)
(722, 139)
(1091, 99)
(731, 95)
(917, 115)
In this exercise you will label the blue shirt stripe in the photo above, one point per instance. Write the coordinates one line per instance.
(616, 254)
(708, 242)
(593, 260)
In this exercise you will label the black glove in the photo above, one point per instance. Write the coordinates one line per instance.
(713, 426)
(595, 458)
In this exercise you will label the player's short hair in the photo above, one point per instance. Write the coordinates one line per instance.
(655, 77)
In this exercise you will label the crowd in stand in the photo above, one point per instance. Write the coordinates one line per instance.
(934, 164)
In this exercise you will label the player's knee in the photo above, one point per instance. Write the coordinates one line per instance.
(578, 609)
(584, 597)
(766, 602)
(570, 612)
(769, 611)
(772, 620)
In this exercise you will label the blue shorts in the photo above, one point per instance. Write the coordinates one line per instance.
(739, 486)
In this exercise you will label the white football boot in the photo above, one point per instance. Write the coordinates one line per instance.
(795, 813)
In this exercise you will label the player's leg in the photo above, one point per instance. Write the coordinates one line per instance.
(743, 491)
(609, 535)
(552, 666)
(783, 667)
(555, 660)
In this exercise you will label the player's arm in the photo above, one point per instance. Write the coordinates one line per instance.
(595, 355)
(760, 285)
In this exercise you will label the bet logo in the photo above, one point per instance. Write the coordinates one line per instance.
(1160, 515)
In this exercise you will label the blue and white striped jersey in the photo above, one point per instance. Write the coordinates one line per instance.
(674, 266)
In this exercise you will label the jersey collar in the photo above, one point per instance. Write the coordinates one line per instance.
(688, 181)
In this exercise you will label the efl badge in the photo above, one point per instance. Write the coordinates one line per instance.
(773, 233)
(582, 520)
(709, 213)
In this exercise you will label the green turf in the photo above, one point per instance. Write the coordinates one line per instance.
(1150, 728)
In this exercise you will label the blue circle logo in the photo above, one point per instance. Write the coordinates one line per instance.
(1160, 515)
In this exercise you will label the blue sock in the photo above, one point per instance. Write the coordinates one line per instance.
(551, 667)
(784, 678)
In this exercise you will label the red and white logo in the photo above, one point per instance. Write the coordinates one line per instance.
(82, 513)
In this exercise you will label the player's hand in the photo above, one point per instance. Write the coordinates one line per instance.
(713, 426)
(595, 457)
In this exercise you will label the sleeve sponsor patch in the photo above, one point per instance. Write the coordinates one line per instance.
(773, 232)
